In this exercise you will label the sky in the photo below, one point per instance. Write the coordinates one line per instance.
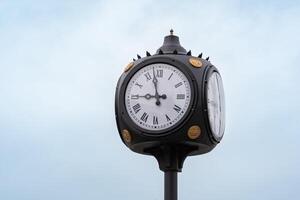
(59, 65)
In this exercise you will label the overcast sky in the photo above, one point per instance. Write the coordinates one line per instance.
(59, 64)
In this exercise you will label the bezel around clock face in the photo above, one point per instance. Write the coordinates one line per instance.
(174, 82)
(215, 104)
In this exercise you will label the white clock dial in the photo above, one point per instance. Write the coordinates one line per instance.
(157, 96)
(216, 105)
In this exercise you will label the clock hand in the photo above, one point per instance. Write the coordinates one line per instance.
(163, 96)
(154, 80)
(146, 96)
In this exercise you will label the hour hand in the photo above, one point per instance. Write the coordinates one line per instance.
(146, 96)
(164, 96)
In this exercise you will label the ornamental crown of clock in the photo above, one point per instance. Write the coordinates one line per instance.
(171, 98)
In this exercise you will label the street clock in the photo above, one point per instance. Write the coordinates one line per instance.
(170, 105)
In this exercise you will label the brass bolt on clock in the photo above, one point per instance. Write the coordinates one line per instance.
(170, 105)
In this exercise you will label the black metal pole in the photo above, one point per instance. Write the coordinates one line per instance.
(171, 185)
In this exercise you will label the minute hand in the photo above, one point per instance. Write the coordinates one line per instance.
(154, 80)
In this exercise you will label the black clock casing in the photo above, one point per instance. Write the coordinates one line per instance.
(173, 145)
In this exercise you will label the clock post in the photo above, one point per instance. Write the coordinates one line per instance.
(170, 105)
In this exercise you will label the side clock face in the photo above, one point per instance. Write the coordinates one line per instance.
(157, 97)
(216, 105)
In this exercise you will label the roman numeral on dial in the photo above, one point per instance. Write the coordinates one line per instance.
(168, 118)
(140, 86)
(136, 108)
(178, 84)
(144, 117)
(180, 96)
(177, 108)
(155, 120)
(148, 76)
(159, 73)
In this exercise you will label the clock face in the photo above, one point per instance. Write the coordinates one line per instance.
(216, 105)
(157, 96)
